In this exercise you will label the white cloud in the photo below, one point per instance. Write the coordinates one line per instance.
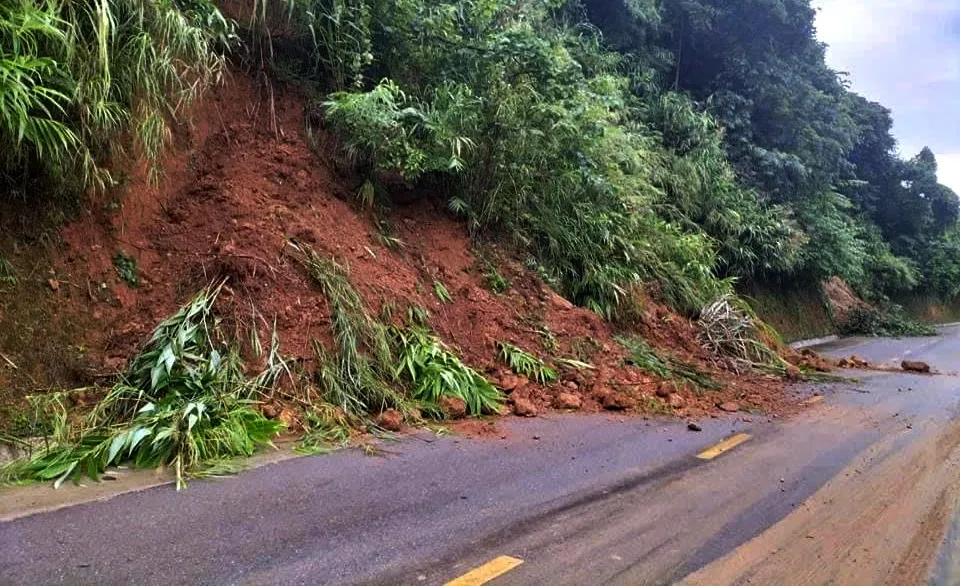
(948, 170)
(904, 54)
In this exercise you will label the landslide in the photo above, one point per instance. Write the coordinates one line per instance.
(240, 186)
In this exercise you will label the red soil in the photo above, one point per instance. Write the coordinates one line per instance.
(234, 195)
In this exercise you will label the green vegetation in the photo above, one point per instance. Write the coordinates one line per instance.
(605, 159)
(893, 323)
(357, 377)
(665, 367)
(83, 82)
(184, 402)
(526, 364)
(434, 371)
(494, 280)
(8, 274)
(126, 267)
(614, 141)
(373, 364)
(440, 290)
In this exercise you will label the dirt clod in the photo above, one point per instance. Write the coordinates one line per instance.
(619, 402)
(729, 407)
(676, 401)
(390, 420)
(510, 383)
(453, 407)
(568, 401)
(666, 389)
(915, 366)
(524, 408)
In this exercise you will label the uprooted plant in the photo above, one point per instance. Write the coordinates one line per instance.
(434, 371)
(643, 356)
(523, 363)
(184, 402)
(357, 377)
(372, 364)
(729, 328)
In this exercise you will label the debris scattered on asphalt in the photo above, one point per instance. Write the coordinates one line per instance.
(915, 366)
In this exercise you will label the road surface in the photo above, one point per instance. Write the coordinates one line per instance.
(861, 488)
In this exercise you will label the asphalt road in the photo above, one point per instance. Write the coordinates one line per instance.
(861, 488)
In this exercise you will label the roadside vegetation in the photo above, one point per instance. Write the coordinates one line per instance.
(688, 148)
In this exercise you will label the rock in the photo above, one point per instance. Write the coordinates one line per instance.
(390, 420)
(694, 427)
(454, 407)
(571, 385)
(666, 389)
(600, 393)
(793, 373)
(729, 407)
(675, 401)
(618, 402)
(524, 408)
(844, 363)
(269, 411)
(568, 401)
(915, 366)
(289, 419)
(511, 382)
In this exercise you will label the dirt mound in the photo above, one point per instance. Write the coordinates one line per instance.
(842, 299)
(244, 184)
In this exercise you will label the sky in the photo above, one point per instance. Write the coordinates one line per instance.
(904, 54)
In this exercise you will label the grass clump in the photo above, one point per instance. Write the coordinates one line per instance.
(434, 371)
(126, 267)
(84, 81)
(8, 274)
(495, 281)
(441, 291)
(665, 367)
(525, 364)
(184, 402)
(357, 377)
(729, 328)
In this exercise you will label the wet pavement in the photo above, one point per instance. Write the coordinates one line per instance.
(579, 499)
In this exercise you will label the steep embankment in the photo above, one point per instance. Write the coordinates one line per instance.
(240, 187)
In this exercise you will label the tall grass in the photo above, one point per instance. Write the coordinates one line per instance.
(372, 366)
(82, 82)
(356, 377)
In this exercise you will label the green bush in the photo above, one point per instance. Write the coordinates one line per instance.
(78, 78)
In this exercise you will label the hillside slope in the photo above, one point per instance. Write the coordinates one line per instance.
(239, 189)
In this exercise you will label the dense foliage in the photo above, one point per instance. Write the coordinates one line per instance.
(685, 142)
(676, 142)
(80, 81)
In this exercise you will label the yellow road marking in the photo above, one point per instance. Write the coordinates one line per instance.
(812, 400)
(486, 572)
(724, 446)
